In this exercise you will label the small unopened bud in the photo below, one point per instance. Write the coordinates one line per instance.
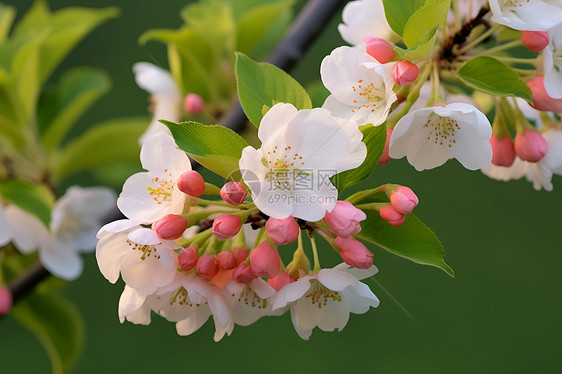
(265, 261)
(354, 253)
(530, 146)
(207, 266)
(282, 231)
(241, 254)
(541, 100)
(226, 226)
(344, 219)
(404, 200)
(279, 281)
(380, 49)
(404, 72)
(392, 216)
(243, 274)
(170, 227)
(233, 193)
(6, 301)
(385, 157)
(187, 258)
(193, 103)
(503, 151)
(299, 263)
(535, 41)
(226, 260)
(191, 183)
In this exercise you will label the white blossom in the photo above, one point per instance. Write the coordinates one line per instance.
(364, 18)
(552, 56)
(5, 229)
(531, 15)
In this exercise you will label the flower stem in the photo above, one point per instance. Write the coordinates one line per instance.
(516, 60)
(501, 47)
(317, 267)
(362, 195)
(478, 40)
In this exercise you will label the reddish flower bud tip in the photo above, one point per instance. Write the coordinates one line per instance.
(380, 50)
(233, 193)
(385, 157)
(503, 151)
(226, 260)
(243, 274)
(344, 219)
(226, 226)
(170, 227)
(191, 183)
(404, 72)
(541, 100)
(6, 301)
(188, 258)
(241, 254)
(354, 253)
(392, 216)
(193, 104)
(404, 200)
(535, 41)
(207, 266)
(282, 231)
(279, 281)
(265, 261)
(530, 146)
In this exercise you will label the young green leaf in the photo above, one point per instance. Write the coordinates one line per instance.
(493, 77)
(399, 12)
(374, 138)
(35, 199)
(215, 147)
(57, 324)
(413, 240)
(262, 84)
(7, 15)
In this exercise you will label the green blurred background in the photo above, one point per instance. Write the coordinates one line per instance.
(501, 314)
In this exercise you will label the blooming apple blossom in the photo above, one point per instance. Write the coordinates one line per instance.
(165, 96)
(326, 299)
(360, 86)
(5, 230)
(75, 219)
(249, 302)
(517, 170)
(133, 307)
(552, 56)
(540, 173)
(288, 175)
(530, 15)
(151, 195)
(431, 136)
(364, 18)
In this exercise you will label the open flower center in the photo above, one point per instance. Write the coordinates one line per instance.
(251, 299)
(441, 130)
(182, 298)
(557, 58)
(284, 166)
(161, 188)
(373, 95)
(145, 250)
(319, 295)
(506, 4)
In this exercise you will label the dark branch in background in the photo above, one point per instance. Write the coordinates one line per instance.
(460, 36)
(308, 25)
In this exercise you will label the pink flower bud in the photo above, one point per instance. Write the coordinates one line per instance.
(226, 226)
(233, 193)
(241, 254)
(243, 274)
(541, 100)
(354, 253)
(188, 258)
(385, 157)
(503, 152)
(404, 72)
(344, 219)
(536, 41)
(207, 266)
(265, 261)
(404, 200)
(392, 216)
(530, 146)
(6, 301)
(193, 104)
(380, 49)
(279, 281)
(282, 231)
(226, 260)
(170, 227)
(191, 183)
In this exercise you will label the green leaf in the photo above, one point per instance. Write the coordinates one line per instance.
(262, 84)
(215, 147)
(374, 137)
(35, 199)
(398, 12)
(7, 15)
(421, 25)
(199, 16)
(75, 93)
(57, 324)
(493, 77)
(421, 51)
(413, 240)
(110, 142)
